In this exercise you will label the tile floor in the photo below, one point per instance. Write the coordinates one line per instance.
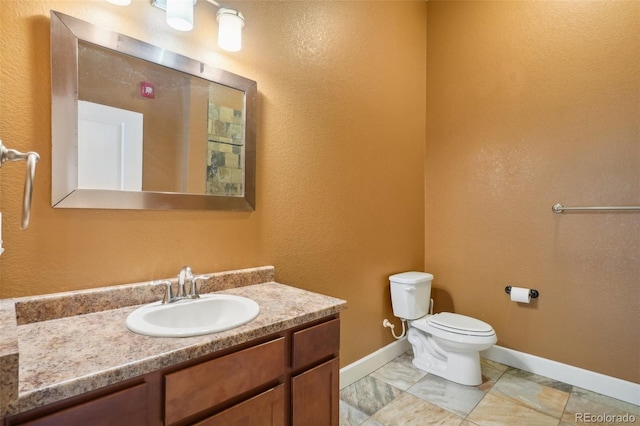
(400, 394)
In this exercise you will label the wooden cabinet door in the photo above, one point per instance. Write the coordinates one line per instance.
(125, 407)
(266, 409)
(315, 395)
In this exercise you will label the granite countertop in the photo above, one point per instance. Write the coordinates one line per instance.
(57, 346)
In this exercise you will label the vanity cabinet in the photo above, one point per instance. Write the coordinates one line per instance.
(288, 378)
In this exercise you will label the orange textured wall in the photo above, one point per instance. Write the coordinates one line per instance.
(530, 104)
(341, 131)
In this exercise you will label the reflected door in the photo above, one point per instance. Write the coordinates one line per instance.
(109, 147)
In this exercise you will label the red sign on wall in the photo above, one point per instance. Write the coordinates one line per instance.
(147, 90)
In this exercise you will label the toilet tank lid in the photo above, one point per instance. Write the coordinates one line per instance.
(412, 277)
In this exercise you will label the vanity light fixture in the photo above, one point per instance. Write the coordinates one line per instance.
(180, 16)
(230, 23)
(120, 2)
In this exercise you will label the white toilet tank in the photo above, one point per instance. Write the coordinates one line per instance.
(410, 294)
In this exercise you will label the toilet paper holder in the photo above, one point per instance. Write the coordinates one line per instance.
(533, 293)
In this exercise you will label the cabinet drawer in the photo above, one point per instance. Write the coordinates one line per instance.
(315, 343)
(266, 409)
(128, 406)
(202, 386)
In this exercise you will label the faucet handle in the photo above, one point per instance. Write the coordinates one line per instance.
(193, 291)
(168, 293)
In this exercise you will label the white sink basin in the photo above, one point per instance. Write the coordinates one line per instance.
(210, 313)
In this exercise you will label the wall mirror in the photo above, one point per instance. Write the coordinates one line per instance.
(137, 127)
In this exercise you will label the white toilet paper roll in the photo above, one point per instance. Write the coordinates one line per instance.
(519, 294)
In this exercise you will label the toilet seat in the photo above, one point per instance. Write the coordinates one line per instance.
(448, 322)
(460, 324)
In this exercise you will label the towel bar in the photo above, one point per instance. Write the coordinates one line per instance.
(559, 208)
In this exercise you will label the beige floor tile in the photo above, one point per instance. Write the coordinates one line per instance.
(586, 407)
(369, 394)
(408, 410)
(371, 422)
(496, 409)
(579, 394)
(545, 381)
(351, 416)
(534, 395)
(487, 363)
(454, 397)
(400, 373)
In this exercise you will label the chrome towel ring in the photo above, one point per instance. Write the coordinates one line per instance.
(31, 158)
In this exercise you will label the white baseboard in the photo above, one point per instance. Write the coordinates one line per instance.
(590, 380)
(370, 363)
(586, 379)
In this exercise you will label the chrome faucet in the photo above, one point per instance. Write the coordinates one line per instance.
(185, 275)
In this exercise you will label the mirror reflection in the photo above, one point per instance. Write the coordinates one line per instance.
(146, 127)
(174, 131)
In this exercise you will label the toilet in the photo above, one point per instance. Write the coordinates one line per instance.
(445, 344)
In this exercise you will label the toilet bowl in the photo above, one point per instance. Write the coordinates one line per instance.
(445, 344)
(443, 347)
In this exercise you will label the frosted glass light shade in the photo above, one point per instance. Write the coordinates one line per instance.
(230, 23)
(120, 2)
(180, 14)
